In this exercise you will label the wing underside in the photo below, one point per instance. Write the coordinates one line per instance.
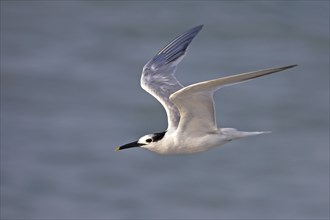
(158, 75)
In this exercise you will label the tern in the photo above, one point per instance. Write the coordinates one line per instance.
(192, 126)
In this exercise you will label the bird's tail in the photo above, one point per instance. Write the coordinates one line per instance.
(232, 133)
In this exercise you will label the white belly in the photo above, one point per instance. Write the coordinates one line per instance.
(169, 145)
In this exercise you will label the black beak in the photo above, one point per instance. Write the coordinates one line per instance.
(130, 145)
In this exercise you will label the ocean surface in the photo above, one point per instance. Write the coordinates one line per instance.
(70, 94)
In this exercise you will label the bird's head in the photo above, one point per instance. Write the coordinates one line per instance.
(147, 141)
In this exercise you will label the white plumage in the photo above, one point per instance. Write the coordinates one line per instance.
(190, 110)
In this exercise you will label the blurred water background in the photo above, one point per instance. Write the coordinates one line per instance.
(70, 94)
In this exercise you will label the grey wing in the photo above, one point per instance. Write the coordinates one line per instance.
(158, 77)
(195, 102)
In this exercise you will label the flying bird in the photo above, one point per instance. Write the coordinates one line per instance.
(192, 126)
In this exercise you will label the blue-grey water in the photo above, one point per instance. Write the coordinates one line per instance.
(70, 94)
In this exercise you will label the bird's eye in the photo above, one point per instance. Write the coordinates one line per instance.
(148, 140)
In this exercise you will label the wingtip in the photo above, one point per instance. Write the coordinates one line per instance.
(200, 26)
(177, 47)
(290, 66)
